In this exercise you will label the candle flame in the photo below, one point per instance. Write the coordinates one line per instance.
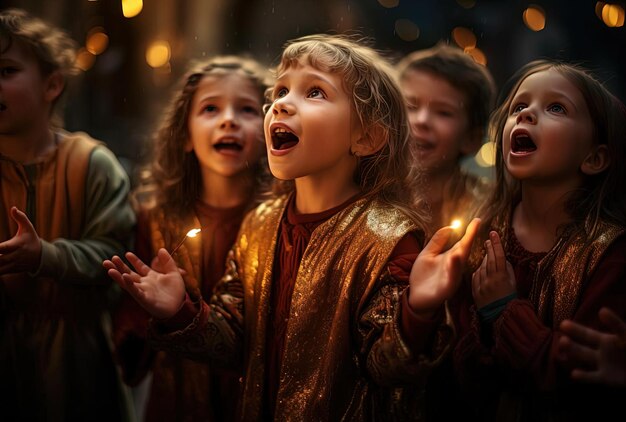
(193, 232)
(456, 224)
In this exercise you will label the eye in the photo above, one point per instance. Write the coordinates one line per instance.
(250, 110)
(316, 92)
(445, 113)
(280, 93)
(7, 70)
(210, 108)
(412, 107)
(556, 108)
(517, 108)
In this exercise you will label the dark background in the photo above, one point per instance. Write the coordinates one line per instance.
(119, 99)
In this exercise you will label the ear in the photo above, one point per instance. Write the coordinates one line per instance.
(54, 86)
(188, 145)
(596, 161)
(364, 144)
(473, 143)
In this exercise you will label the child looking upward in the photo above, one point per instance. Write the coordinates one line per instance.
(314, 303)
(206, 173)
(555, 245)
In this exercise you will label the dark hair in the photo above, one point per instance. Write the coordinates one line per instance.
(52, 47)
(460, 71)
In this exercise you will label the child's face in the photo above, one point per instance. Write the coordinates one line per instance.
(310, 127)
(438, 119)
(548, 131)
(226, 125)
(25, 98)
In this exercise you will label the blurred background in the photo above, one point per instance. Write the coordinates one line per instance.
(133, 51)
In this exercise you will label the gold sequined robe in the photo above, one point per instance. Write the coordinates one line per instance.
(343, 350)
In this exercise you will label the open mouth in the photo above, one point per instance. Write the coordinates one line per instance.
(522, 143)
(283, 139)
(228, 145)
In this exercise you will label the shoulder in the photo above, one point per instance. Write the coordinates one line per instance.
(383, 219)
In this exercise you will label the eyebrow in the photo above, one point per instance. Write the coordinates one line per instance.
(311, 76)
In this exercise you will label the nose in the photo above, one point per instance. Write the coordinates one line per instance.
(419, 116)
(282, 106)
(229, 118)
(526, 115)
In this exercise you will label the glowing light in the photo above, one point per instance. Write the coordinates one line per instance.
(613, 15)
(193, 232)
(131, 8)
(456, 224)
(158, 54)
(464, 37)
(389, 3)
(84, 59)
(599, 6)
(190, 233)
(97, 41)
(534, 18)
(478, 55)
(486, 155)
(407, 30)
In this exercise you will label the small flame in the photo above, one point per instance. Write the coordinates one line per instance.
(456, 224)
(193, 232)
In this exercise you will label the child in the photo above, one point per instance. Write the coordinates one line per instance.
(314, 303)
(208, 164)
(449, 98)
(556, 247)
(64, 209)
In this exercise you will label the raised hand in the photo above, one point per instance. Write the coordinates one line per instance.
(495, 278)
(596, 356)
(436, 273)
(22, 252)
(161, 293)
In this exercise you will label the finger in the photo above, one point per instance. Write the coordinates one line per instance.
(476, 283)
(498, 250)
(483, 270)
(581, 334)
(613, 322)
(577, 354)
(491, 258)
(464, 245)
(130, 283)
(139, 266)
(439, 241)
(23, 223)
(167, 262)
(121, 265)
(587, 376)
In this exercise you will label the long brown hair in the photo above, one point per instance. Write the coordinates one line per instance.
(602, 196)
(173, 179)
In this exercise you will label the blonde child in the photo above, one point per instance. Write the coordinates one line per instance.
(64, 208)
(208, 167)
(314, 304)
(555, 246)
(449, 97)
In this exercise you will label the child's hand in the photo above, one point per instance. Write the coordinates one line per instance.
(495, 278)
(436, 274)
(596, 356)
(160, 293)
(23, 251)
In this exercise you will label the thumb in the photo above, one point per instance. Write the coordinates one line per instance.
(613, 322)
(439, 241)
(166, 261)
(23, 223)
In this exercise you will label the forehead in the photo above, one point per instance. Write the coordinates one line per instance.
(232, 85)
(549, 81)
(15, 49)
(425, 82)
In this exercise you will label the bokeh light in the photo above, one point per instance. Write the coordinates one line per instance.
(389, 3)
(97, 41)
(613, 15)
(407, 30)
(158, 54)
(84, 59)
(486, 155)
(466, 4)
(478, 55)
(534, 18)
(131, 8)
(464, 37)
